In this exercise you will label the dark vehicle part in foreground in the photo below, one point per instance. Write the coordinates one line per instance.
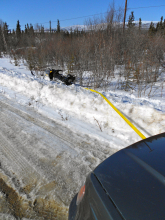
(129, 185)
(54, 74)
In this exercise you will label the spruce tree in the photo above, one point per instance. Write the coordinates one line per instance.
(152, 29)
(26, 31)
(42, 29)
(58, 26)
(131, 20)
(1, 40)
(4, 35)
(31, 31)
(161, 22)
(18, 31)
(50, 28)
(28, 28)
(140, 23)
(5, 29)
(160, 25)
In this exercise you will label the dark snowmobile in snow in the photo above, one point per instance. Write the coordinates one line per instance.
(54, 74)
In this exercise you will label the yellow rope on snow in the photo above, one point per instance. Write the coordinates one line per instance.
(125, 119)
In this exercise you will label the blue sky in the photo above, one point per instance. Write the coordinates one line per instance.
(42, 11)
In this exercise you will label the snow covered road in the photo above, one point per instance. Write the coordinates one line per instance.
(42, 161)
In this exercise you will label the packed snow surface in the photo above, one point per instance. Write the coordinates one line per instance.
(82, 110)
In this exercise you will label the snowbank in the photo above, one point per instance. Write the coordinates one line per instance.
(88, 107)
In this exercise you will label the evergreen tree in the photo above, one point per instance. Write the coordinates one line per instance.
(25, 37)
(58, 26)
(152, 29)
(18, 31)
(27, 28)
(1, 40)
(131, 20)
(140, 23)
(50, 28)
(4, 35)
(5, 29)
(160, 25)
(42, 29)
(31, 31)
(26, 31)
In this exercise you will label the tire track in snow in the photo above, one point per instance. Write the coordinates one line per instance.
(60, 156)
(12, 160)
(73, 140)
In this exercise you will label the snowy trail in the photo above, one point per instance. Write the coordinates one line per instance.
(41, 158)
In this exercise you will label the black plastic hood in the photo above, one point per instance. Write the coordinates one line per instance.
(134, 179)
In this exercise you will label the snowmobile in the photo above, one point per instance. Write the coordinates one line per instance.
(54, 74)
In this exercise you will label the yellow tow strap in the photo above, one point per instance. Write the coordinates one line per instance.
(125, 119)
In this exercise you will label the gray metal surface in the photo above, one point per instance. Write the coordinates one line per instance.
(134, 179)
